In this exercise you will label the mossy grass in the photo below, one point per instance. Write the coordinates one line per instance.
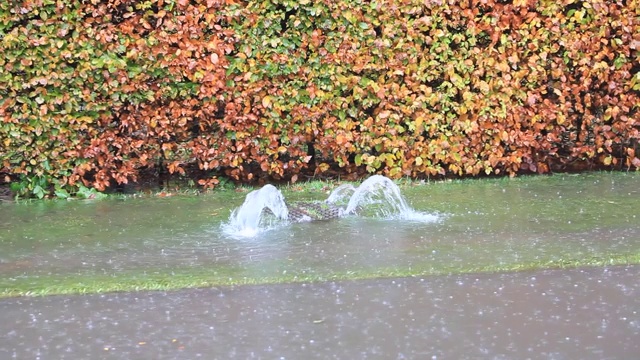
(185, 279)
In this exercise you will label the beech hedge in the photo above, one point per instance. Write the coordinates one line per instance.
(96, 93)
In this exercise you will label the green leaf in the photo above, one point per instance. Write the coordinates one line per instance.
(62, 193)
(349, 16)
(358, 159)
(38, 191)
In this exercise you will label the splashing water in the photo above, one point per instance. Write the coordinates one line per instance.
(377, 195)
(340, 196)
(250, 218)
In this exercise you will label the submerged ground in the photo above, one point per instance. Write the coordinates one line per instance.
(150, 243)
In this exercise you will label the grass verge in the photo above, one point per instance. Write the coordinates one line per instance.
(83, 284)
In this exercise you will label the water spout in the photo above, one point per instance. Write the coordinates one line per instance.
(265, 208)
(378, 192)
(251, 217)
(381, 196)
(340, 196)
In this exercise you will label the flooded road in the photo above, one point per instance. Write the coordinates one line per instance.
(552, 314)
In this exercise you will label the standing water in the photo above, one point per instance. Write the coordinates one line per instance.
(496, 278)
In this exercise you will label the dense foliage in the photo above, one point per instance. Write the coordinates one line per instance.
(94, 92)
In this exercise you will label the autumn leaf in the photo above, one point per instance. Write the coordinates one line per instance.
(484, 87)
(520, 3)
(266, 102)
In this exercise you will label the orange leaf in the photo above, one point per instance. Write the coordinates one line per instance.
(266, 102)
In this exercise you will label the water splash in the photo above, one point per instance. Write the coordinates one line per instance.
(382, 197)
(340, 196)
(377, 196)
(250, 219)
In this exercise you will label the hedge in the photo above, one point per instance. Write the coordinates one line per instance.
(96, 93)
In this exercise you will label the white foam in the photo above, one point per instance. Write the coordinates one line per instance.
(250, 219)
(378, 194)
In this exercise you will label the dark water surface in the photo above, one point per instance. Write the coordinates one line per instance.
(551, 314)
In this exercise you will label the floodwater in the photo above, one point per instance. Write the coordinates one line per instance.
(554, 314)
(483, 224)
(447, 310)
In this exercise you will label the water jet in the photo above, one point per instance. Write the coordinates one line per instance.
(266, 208)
